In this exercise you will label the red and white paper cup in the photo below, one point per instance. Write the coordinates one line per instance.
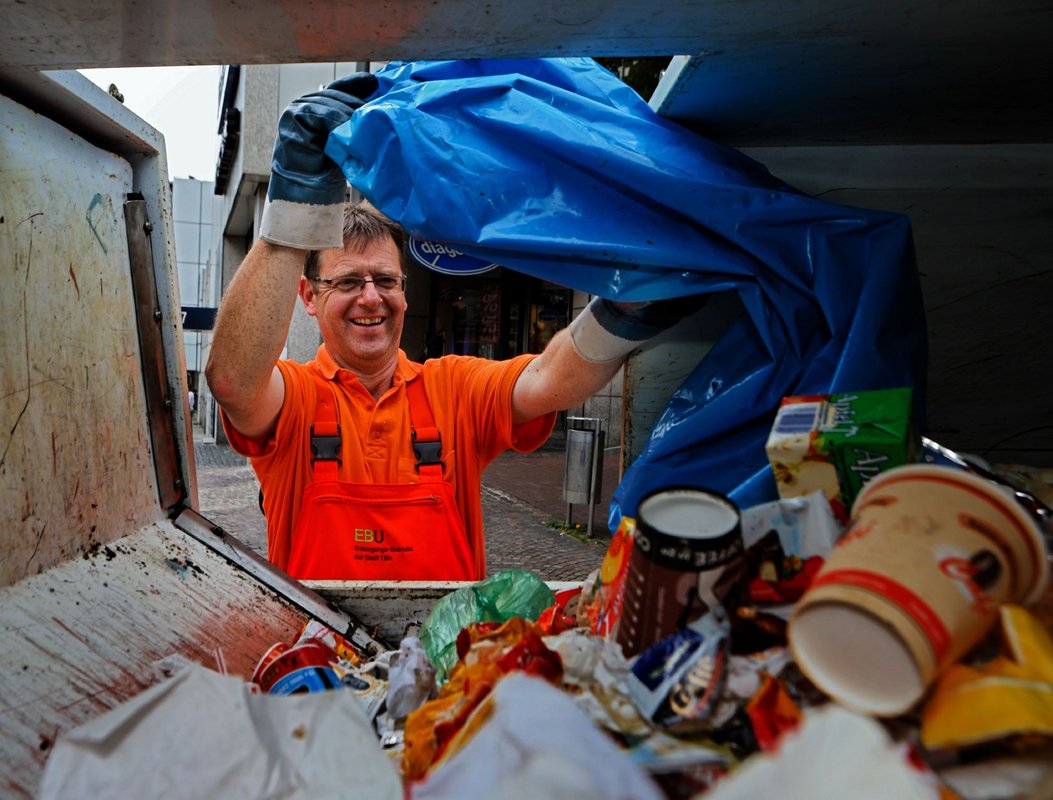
(915, 583)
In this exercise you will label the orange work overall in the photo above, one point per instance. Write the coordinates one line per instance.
(378, 531)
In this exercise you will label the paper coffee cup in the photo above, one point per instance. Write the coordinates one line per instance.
(684, 539)
(914, 584)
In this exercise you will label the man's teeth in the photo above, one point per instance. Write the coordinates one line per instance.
(367, 321)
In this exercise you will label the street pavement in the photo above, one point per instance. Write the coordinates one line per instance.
(523, 510)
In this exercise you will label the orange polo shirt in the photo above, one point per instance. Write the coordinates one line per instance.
(470, 398)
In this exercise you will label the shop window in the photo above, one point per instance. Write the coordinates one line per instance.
(467, 318)
(549, 314)
(497, 315)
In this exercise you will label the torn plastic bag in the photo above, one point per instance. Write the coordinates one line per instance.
(498, 598)
(557, 169)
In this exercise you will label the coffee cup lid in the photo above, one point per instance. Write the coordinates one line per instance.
(688, 527)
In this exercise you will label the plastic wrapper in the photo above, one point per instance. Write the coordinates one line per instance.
(411, 679)
(600, 605)
(681, 767)
(534, 743)
(745, 675)
(511, 593)
(806, 526)
(368, 688)
(773, 714)
(557, 169)
(755, 630)
(595, 674)
(1009, 698)
(677, 682)
(488, 652)
(343, 649)
(775, 577)
(562, 615)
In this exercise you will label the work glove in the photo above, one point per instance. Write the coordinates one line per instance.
(305, 197)
(608, 330)
(643, 321)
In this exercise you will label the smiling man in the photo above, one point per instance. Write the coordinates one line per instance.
(370, 464)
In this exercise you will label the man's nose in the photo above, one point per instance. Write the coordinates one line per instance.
(369, 291)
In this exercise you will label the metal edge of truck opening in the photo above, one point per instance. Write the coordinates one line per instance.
(246, 559)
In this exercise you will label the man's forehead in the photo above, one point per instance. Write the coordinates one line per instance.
(379, 256)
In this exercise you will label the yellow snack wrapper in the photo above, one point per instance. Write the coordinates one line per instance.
(1010, 695)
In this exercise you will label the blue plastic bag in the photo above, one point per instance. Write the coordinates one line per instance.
(555, 168)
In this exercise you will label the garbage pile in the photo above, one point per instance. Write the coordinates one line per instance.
(793, 649)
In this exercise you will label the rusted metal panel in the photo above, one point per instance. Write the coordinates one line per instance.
(766, 72)
(256, 566)
(84, 636)
(75, 459)
(58, 34)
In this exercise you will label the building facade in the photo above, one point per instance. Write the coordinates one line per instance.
(195, 230)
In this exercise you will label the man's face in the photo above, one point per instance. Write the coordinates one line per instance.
(362, 328)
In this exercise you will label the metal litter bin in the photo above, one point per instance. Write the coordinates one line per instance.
(583, 468)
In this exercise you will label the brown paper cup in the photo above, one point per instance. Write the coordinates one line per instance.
(916, 582)
(685, 537)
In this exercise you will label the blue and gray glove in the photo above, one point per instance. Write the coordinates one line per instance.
(609, 331)
(305, 198)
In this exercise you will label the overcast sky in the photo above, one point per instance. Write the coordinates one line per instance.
(182, 103)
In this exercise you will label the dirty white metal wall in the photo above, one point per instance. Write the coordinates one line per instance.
(75, 449)
(106, 568)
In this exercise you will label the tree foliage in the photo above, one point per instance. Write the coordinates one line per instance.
(642, 74)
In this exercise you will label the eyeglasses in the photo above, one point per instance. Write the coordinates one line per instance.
(352, 284)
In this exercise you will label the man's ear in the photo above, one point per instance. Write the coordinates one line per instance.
(308, 296)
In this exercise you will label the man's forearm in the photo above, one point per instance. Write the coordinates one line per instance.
(582, 359)
(253, 323)
(558, 379)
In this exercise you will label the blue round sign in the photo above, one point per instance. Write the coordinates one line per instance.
(446, 259)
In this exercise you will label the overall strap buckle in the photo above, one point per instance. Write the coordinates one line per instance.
(429, 450)
(325, 433)
(427, 441)
(325, 447)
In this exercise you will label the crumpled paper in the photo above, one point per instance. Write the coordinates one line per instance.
(202, 734)
(599, 673)
(536, 743)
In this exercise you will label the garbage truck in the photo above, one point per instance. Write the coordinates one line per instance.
(108, 567)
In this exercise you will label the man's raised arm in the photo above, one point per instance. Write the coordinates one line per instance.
(304, 211)
(582, 359)
(250, 332)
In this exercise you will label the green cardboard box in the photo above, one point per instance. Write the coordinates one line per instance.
(838, 442)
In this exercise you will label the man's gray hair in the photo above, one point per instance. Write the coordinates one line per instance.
(363, 226)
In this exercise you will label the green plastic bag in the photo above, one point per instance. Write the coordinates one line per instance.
(511, 593)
